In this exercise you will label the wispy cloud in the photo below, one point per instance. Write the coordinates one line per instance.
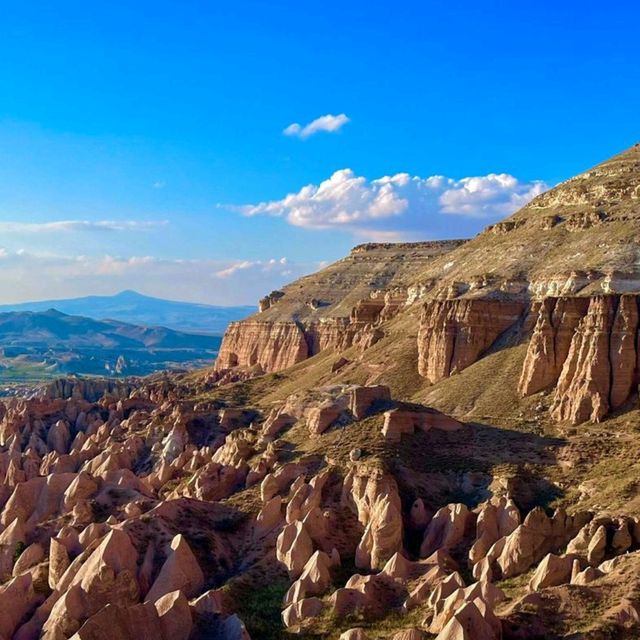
(227, 282)
(401, 205)
(264, 266)
(328, 123)
(61, 226)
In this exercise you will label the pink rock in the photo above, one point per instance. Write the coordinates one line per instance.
(175, 616)
(210, 602)
(314, 580)
(446, 529)
(31, 556)
(551, 572)
(180, 571)
(319, 419)
(58, 561)
(103, 576)
(297, 613)
(17, 599)
(270, 516)
(473, 621)
(294, 547)
(362, 399)
(135, 622)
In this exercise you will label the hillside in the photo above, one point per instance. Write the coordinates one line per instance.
(424, 440)
(135, 308)
(39, 345)
(57, 330)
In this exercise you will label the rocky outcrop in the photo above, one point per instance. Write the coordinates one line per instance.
(552, 571)
(294, 548)
(556, 322)
(374, 497)
(270, 346)
(587, 348)
(89, 389)
(401, 421)
(447, 529)
(601, 364)
(455, 333)
(180, 571)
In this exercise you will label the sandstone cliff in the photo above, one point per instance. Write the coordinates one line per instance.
(551, 276)
(337, 308)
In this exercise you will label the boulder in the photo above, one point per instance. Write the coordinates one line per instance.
(363, 399)
(597, 546)
(295, 614)
(122, 622)
(473, 621)
(314, 580)
(551, 572)
(58, 561)
(31, 556)
(319, 419)
(17, 600)
(527, 544)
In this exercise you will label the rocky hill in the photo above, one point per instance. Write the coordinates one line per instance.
(430, 440)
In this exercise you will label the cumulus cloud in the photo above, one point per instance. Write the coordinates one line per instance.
(80, 225)
(225, 282)
(401, 205)
(328, 123)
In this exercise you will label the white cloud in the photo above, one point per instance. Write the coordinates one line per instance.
(26, 275)
(328, 123)
(397, 206)
(268, 266)
(80, 225)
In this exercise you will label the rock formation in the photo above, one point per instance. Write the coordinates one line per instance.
(419, 453)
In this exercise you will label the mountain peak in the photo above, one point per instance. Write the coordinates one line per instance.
(129, 293)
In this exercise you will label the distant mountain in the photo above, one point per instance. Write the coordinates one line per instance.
(135, 308)
(37, 344)
(55, 330)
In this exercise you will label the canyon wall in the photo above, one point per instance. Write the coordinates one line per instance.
(274, 346)
(455, 333)
(270, 346)
(585, 348)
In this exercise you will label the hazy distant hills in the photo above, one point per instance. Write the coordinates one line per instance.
(135, 308)
(37, 345)
(52, 329)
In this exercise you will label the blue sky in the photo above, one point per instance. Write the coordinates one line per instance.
(142, 144)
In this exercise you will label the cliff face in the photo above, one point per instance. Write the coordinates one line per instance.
(561, 274)
(557, 319)
(339, 307)
(600, 372)
(270, 346)
(274, 346)
(454, 333)
(588, 349)
(584, 348)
